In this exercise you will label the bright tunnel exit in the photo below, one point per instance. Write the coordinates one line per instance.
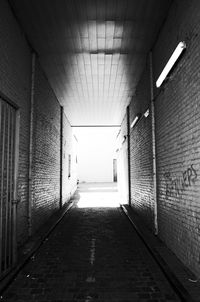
(98, 195)
(96, 153)
(96, 159)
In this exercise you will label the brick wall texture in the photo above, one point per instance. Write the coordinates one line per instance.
(69, 148)
(178, 134)
(141, 164)
(15, 87)
(46, 151)
(177, 113)
(15, 81)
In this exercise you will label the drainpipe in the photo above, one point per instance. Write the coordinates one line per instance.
(153, 148)
(129, 155)
(31, 146)
(61, 154)
(15, 188)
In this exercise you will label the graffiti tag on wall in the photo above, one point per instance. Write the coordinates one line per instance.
(176, 185)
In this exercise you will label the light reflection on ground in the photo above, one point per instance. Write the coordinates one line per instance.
(102, 188)
(105, 196)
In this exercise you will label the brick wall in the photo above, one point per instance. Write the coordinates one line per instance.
(46, 151)
(69, 183)
(178, 134)
(141, 163)
(15, 87)
(15, 80)
(177, 113)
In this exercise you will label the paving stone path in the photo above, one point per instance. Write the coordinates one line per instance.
(93, 254)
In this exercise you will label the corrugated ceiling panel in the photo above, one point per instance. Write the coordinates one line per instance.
(93, 52)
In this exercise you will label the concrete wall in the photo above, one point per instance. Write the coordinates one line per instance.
(177, 138)
(15, 87)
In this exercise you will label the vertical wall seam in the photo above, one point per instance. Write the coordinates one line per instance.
(155, 195)
(31, 145)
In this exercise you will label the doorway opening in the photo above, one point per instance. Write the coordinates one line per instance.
(115, 170)
(96, 150)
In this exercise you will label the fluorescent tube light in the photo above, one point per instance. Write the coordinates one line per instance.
(146, 114)
(135, 120)
(176, 54)
(124, 139)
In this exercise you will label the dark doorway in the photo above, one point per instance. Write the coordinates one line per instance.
(115, 170)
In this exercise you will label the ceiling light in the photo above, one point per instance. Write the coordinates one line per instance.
(146, 114)
(135, 120)
(176, 54)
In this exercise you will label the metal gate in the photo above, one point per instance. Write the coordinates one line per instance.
(8, 134)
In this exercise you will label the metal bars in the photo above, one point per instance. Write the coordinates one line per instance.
(7, 172)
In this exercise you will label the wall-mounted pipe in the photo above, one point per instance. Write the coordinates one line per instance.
(2, 146)
(61, 156)
(129, 154)
(15, 193)
(31, 145)
(155, 195)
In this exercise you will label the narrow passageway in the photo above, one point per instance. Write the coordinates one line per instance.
(99, 91)
(94, 254)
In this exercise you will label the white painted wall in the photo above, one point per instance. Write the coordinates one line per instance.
(96, 151)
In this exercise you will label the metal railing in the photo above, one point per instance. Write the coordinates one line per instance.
(7, 186)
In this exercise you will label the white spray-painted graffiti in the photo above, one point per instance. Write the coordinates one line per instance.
(176, 185)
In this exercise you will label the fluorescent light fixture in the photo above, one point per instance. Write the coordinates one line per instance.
(176, 54)
(124, 139)
(146, 114)
(135, 120)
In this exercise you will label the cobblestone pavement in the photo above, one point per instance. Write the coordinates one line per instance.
(93, 254)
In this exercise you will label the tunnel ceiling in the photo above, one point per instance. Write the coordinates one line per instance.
(92, 51)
